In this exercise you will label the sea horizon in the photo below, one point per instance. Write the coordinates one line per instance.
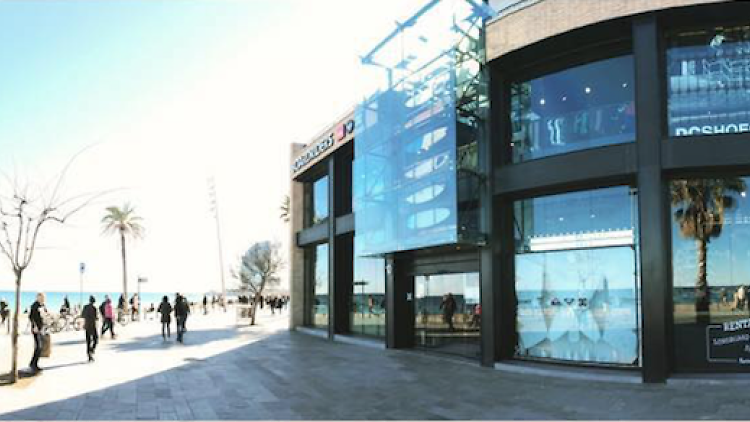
(54, 299)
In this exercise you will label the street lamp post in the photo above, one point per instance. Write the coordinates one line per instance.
(215, 209)
(82, 269)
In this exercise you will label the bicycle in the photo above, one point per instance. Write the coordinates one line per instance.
(123, 318)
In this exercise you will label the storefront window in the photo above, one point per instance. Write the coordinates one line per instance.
(368, 297)
(320, 200)
(319, 287)
(583, 107)
(708, 81)
(710, 247)
(576, 282)
(448, 313)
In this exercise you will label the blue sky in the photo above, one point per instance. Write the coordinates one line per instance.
(166, 94)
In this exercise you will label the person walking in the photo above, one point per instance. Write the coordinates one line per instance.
(205, 305)
(165, 309)
(448, 305)
(4, 312)
(109, 317)
(92, 335)
(135, 309)
(37, 326)
(181, 312)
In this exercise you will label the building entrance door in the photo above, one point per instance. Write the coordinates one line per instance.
(447, 313)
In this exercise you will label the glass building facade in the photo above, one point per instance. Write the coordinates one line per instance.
(580, 200)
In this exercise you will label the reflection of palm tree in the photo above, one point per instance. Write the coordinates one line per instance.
(700, 206)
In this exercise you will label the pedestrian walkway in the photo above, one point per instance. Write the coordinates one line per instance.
(267, 372)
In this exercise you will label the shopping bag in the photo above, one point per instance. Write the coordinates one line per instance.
(46, 345)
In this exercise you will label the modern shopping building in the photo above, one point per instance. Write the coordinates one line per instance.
(541, 183)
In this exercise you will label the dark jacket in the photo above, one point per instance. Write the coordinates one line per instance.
(36, 316)
(165, 309)
(181, 309)
(89, 317)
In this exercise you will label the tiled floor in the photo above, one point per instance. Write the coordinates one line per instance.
(224, 373)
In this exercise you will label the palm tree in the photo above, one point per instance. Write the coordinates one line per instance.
(700, 205)
(127, 224)
(285, 208)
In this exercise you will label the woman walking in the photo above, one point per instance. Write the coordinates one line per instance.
(37, 327)
(165, 309)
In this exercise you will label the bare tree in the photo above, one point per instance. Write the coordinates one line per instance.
(259, 268)
(24, 210)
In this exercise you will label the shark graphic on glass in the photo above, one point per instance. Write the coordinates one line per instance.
(578, 305)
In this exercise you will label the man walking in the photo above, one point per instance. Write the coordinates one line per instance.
(37, 324)
(181, 311)
(92, 335)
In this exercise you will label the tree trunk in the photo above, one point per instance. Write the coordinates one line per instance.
(124, 272)
(14, 334)
(702, 292)
(255, 309)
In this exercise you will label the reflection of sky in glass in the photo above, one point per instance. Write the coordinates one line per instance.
(321, 269)
(576, 269)
(728, 254)
(593, 211)
(320, 199)
(372, 272)
(464, 284)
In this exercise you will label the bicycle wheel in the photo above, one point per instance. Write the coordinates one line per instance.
(79, 323)
(58, 325)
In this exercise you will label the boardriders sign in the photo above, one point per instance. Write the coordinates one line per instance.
(342, 133)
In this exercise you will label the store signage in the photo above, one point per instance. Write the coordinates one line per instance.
(340, 133)
(712, 129)
(729, 342)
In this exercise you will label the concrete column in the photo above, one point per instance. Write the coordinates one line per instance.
(296, 255)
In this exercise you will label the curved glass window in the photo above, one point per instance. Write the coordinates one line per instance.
(576, 282)
(708, 81)
(583, 107)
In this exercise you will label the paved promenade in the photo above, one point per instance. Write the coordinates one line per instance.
(267, 372)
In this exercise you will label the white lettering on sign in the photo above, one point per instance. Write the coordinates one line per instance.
(339, 134)
(740, 324)
(712, 129)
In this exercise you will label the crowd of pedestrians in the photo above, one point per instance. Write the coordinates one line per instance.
(105, 311)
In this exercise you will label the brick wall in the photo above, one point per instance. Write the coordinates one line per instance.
(548, 18)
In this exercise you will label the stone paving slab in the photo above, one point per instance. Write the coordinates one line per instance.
(270, 373)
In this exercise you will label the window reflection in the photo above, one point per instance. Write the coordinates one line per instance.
(448, 313)
(319, 287)
(368, 297)
(320, 200)
(576, 284)
(708, 80)
(583, 107)
(711, 246)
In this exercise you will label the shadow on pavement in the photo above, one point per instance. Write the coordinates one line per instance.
(192, 338)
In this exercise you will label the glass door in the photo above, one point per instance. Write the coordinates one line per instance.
(448, 313)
